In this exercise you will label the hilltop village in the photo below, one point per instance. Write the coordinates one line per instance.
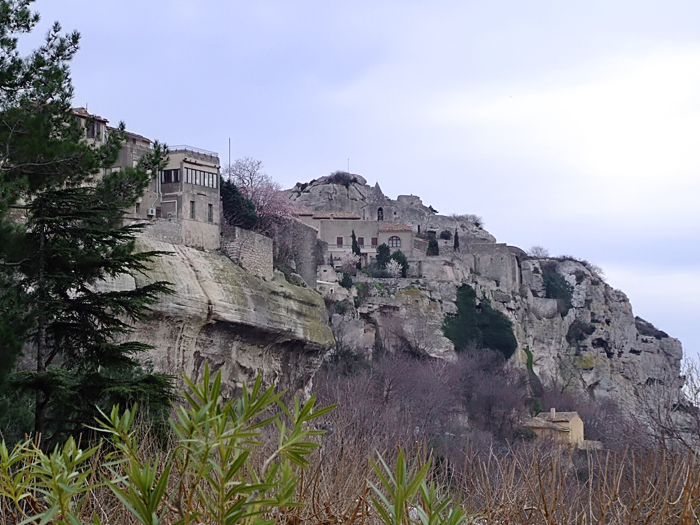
(232, 306)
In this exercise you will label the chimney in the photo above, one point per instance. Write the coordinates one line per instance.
(552, 413)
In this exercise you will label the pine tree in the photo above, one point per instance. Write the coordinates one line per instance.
(66, 235)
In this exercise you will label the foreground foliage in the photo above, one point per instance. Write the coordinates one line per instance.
(61, 233)
(249, 460)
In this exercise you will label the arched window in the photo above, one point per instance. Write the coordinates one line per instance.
(380, 214)
(394, 242)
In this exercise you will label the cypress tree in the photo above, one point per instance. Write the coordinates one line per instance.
(356, 249)
(64, 236)
(456, 243)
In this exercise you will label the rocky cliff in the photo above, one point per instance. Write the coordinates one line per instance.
(238, 322)
(355, 196)
(570, 325)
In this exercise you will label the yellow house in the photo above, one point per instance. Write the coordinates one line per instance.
(564, 427)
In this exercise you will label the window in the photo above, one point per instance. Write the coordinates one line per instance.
(361, 242)
(138, 208)
(380, 214)
(394, 242)
(191, 209)
(201, 178)
(375, 242)
(339, 242)
(169, 176)
(210, 213)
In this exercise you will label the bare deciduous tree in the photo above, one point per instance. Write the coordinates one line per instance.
(271, 204)
(539, 252)
(669, 409)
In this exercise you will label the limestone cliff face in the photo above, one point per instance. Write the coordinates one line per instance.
(579, 330)
(238, 322)
(596, 346)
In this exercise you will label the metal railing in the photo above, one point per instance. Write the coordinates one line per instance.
(184, 147)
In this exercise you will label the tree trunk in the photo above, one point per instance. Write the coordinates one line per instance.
(39, 413)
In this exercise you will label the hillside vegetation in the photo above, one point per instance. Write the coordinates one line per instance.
(256, 459)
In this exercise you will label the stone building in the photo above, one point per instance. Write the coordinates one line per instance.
(563, 427)
(336, 229)
(185, 193)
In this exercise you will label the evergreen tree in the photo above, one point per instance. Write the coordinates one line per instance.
(400, 258)
(456, 243)
(433, 247)
(238, 210)
(356, 249)
(383, 255)
(70, 236)
(482, 327)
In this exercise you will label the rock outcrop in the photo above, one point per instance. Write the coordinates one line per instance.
(578, 330)
(594, 346)
(368, 202)
(238, 322)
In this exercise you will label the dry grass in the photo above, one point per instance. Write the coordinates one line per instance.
(528, 483)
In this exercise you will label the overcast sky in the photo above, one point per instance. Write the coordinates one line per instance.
(571, 125)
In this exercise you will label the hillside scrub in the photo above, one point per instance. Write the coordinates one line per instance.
(556, 287)
(258, 459)
(479, 325)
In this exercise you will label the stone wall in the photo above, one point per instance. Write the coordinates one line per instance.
(201, 235)
(496, 262)
(304, 249)
(252, 251)
(163, 230)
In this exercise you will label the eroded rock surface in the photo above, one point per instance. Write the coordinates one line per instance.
(238, 322)
(595, 346)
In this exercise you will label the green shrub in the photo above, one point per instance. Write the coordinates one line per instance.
(346, 281)
(343, 178)
(400, 258)
(484, 327)
(446, 235)
(556, 287)
(433, 247)
(648, 329)
(219, 470)
(578, 331)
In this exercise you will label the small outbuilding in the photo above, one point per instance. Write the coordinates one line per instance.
(564, 427)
